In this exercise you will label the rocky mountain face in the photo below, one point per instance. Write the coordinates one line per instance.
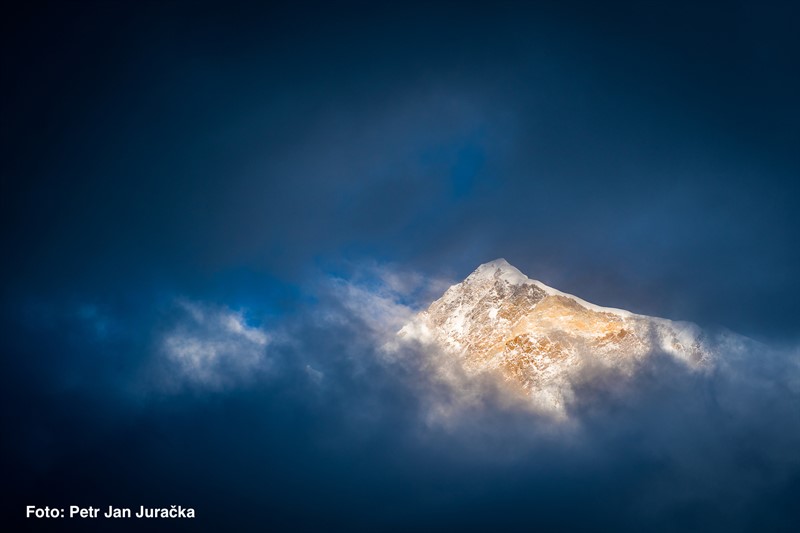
(536, 337)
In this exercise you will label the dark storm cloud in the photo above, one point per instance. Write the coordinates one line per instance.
(619, 153)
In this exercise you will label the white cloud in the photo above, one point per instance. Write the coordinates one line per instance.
(377, 307)
(213, 346)
(384, 300)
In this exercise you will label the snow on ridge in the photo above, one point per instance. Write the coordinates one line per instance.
(514, 276)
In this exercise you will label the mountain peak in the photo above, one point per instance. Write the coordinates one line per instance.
(500, 262)
(538, 338)
(499, 268)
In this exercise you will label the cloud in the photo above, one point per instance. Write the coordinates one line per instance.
(383, 439)
(213, 346)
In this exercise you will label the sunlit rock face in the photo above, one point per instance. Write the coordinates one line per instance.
(537, 338)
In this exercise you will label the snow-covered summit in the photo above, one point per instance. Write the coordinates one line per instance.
(502, 269)
(499, 268)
